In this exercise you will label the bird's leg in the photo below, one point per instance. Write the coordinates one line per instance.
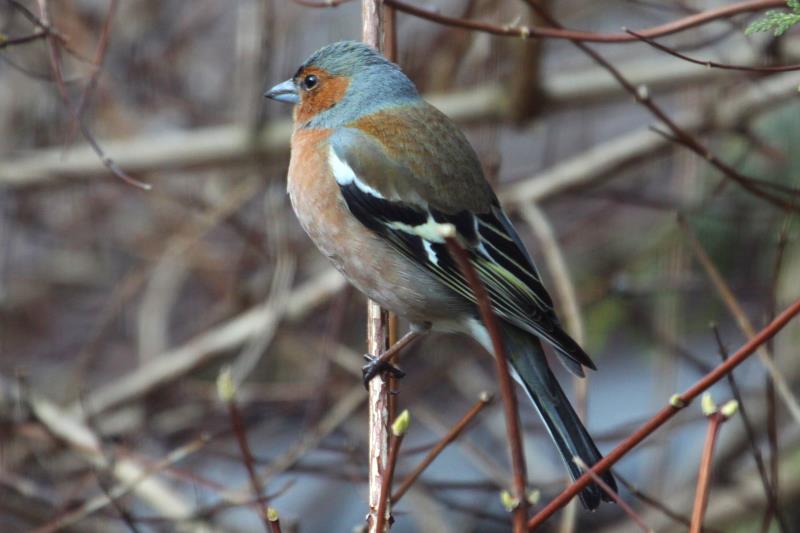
(376, 365)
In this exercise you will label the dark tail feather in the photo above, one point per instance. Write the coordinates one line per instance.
(527, 357)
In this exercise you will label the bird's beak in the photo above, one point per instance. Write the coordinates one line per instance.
(284, 92)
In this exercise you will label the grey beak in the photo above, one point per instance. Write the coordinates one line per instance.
(284, 92)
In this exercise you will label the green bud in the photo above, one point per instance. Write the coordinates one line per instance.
(401, 423)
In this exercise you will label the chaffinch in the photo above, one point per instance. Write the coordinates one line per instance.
(374, 171)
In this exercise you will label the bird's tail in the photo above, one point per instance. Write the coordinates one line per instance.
(527, 358)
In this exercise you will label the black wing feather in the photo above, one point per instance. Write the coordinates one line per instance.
(497, 256)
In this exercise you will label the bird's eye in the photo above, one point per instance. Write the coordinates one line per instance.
(310, 81)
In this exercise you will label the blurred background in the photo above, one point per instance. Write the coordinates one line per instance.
(119, 306)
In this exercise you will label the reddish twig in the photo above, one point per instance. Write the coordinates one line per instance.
(677, 403)
(656, 503)
(226, 389)
(772, 501)
(525, 32)
(711, 64)
(715, 420)
(450, 437)
(506, 387)
(613, 495)
(99, 57)
(399, 428)
(55, 65)
(12, 41)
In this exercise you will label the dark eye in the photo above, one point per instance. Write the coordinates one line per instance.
(309, 82)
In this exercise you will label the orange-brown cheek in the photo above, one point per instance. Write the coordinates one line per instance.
(330, 92)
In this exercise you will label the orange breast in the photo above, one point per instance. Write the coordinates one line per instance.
(365, 259)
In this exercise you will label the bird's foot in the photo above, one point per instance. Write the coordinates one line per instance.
(377, 365)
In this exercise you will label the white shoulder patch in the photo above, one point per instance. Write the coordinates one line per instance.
(345, 175)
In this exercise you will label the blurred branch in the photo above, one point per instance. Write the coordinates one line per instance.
(235, 143)
(568, 300)
(726, 295)
(55, 65)
(681, 135)
(600, 160)
(732, 505)
(209, 345)
(750, 431)
(132, 475)
(6, 41)
(119, 491)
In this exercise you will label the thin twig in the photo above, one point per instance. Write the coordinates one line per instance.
(99, 57)
(124, 515)
(711, 64)
(772, 421)
(121, 489)
(683, 136)
(525, 32)
(613, 495)
(772, 500)
(451, 436)
(715, 421)
(399, 428)
(677, 403)
(506, 387)
(654, 502)
(55, 65)
(226, 388)
(727, 296)
(13, 41)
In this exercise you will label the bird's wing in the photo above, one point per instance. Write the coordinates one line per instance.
(397, 202)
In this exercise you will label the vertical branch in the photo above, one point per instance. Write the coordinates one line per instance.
(506, 387)
(715, 420)
(372, 23)
(378, 411)
(377, 326)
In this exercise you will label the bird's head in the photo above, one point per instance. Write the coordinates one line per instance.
(342, 82)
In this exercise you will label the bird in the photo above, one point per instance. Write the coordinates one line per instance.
(375, 173)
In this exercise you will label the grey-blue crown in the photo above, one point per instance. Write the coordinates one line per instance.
(346, 58)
